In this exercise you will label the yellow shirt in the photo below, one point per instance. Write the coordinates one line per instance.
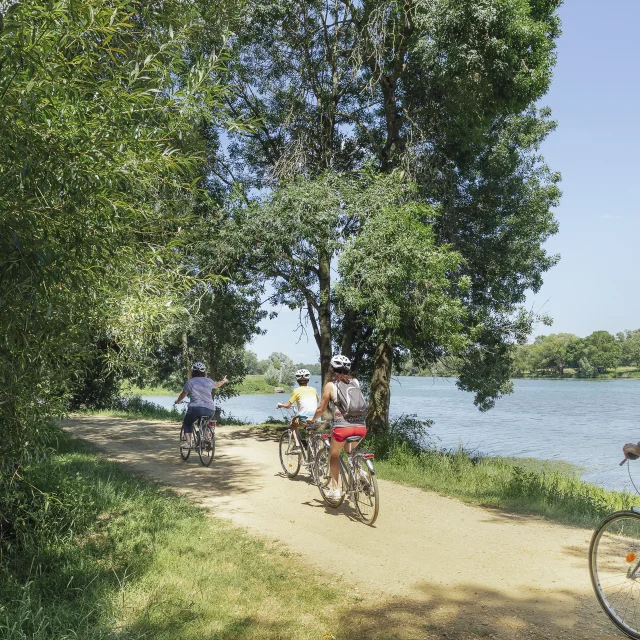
(306, 399)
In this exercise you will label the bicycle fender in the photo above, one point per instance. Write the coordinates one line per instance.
(370, 465)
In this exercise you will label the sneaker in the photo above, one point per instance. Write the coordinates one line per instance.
(333, 494)
(184, 445)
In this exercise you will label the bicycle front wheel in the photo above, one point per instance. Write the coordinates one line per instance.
(367, 498)
(185, 451)
(614, 565)
(289, 460)
(207, 446)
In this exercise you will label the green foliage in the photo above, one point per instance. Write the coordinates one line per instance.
(101, 145)
(590, 356)
(447, 91)
(396, 272)
(630, 348)
(281, 370)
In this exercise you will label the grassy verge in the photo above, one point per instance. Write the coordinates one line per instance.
(106, 554)
(256, 385)
(549, 489)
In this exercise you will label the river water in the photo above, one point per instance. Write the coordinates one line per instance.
(584, 422)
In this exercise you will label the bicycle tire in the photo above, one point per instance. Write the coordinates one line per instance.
(184, 452)
(290, 461)
(207, 448)
(323, 478)
(614, 552)
(367, 497)
(312, 451)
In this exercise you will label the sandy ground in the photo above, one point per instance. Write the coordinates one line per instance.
(431, 567)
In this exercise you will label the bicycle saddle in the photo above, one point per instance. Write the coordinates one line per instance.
(353, 439)
(311, 427)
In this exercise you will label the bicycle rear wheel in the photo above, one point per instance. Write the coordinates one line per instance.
(184, 451)
(614, 565)
(290, 461)
(367, 498)
(207, 445)
(323, 479)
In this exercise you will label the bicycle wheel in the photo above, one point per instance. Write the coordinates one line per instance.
(367, 498)
(184, 451)
(614, 565)
(290, 461)
(323, 479)
(312, 452)
(207, 445)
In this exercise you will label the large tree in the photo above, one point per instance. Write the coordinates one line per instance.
(447, 91)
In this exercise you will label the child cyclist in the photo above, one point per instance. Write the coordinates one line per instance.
(341, 394)
(199, 388)
(306, 399)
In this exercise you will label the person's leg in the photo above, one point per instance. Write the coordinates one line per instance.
(334, 462)
(187, 424)
(295, 429)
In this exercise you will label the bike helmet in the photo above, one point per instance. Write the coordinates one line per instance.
(198, 366)
(340, 363)
(302, 374)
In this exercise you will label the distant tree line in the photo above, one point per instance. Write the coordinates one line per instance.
(276, 361)
(588, 357)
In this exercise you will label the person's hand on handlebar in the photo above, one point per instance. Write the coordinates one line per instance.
(631, 451)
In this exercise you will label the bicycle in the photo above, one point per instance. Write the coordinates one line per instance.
(202, 440)
(614, 567)
(290, 460)
(357, 479)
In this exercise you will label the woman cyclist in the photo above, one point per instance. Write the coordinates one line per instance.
(342, 427)
(199, 388)
(306, 399)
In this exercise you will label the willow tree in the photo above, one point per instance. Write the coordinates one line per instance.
(446, 90)
(100, 144)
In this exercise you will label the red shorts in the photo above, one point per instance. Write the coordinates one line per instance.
(340, 433)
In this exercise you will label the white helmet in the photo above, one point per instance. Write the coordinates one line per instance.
(302, 374)
(340, 363)
(198, 366)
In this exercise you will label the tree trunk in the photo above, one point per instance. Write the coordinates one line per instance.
(185, 354)
(378, 413)
(324, 316)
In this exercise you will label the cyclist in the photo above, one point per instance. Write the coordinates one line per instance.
(343, 425)
(199, 388)
(306, 399)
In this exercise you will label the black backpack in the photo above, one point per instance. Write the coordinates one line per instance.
(350, 401)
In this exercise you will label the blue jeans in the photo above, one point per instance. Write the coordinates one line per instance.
(193, 413)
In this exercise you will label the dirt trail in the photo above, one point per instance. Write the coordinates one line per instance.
(430, 567)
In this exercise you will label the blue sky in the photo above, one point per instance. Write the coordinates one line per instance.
(594, 97)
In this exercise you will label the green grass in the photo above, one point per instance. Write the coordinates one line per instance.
(256, 385)
(109, 554)
(549, 489)
(130, 390)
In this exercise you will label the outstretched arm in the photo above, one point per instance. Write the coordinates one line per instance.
(221, 382)
(283, 405)
(180, 397)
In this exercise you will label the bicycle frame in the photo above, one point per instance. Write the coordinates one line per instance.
(346, 469)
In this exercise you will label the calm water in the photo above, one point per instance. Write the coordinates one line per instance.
(584, 422)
